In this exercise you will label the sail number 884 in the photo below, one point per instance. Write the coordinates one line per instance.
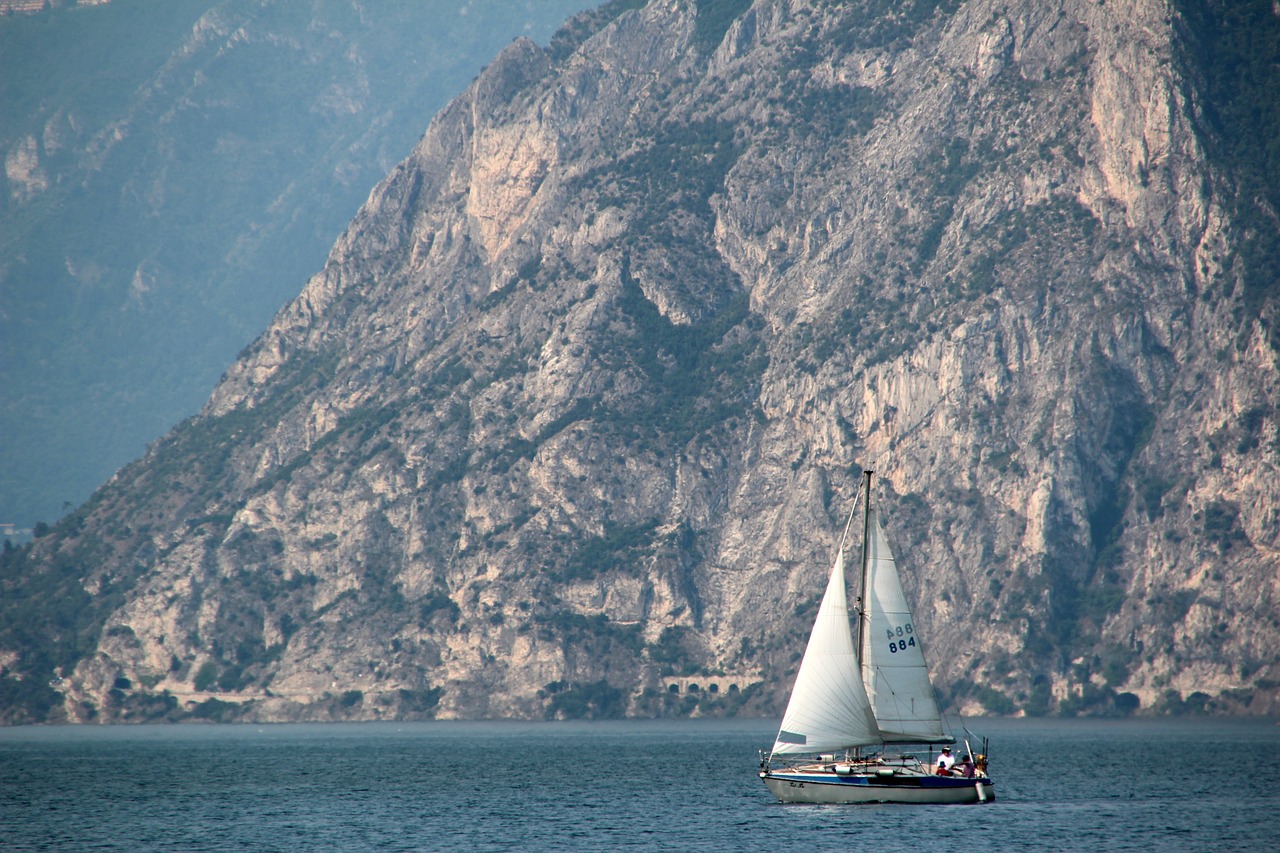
(900, 638)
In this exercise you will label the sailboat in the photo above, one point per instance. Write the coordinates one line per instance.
(862, 697)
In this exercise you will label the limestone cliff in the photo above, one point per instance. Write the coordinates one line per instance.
(580, 397)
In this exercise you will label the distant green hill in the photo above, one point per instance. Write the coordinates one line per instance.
(173, 172)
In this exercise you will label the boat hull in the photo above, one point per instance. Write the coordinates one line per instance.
(834, 789)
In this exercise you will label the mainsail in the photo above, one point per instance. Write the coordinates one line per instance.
(829, 707)
(893, 667)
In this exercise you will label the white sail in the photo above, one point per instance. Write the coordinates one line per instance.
(869, 691)
(893, 667)
(828, 708)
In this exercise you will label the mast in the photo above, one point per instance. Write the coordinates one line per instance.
(862, 580)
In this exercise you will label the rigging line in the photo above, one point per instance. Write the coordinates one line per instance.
(844, 537)
(964, 725)
(897, 703)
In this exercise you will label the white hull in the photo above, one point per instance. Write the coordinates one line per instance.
(832, 789)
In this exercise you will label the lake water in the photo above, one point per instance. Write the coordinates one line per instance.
(1165, 785)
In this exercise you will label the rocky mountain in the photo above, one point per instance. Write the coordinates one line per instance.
(171, 173)
(569, 419)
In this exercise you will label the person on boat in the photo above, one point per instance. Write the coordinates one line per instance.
(946, 761)
(966, 767)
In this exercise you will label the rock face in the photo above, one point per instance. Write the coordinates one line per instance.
(580, 398)
(171, 174)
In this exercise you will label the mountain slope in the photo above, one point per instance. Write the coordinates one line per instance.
(171, 173)
(578, 399)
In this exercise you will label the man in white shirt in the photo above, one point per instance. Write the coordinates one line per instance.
(946, 761)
